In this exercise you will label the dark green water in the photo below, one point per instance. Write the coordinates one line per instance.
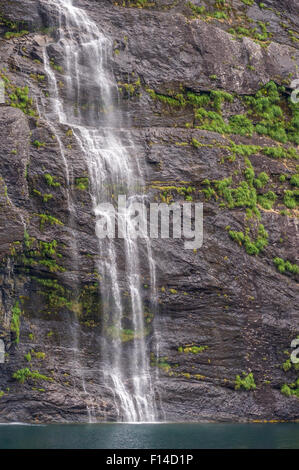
(150, 436)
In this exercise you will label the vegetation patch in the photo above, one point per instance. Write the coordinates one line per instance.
(50, 180)
(129, 90)
(161, 362)
(285, 266)
(38, 144)
(291, 198)
(24, 375)
(39, 253)
(88, 306)
(291, 389)
(192, 349)
(245, 382)
(56, 296)
(269, 112)
(136, 3)
(82, 184)
(56, 67)
(46, 219)
(15, 321)
(14, 34)
(252, 246)
(13, 29)
(18, 97)
(168, 193)
(125, 334)
(45, 197)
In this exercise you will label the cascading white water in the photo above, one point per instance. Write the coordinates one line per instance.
(87, 105)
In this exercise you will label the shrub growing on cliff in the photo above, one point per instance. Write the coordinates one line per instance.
(283, 266)
(287, 365)
(28, 357)
(295, 180)
(192, 349)
(38, 144)
(261, 180)
(12, 34)
(267, 200)
(267, 106)
(15, 321)
(246, 382)
(19, 98)
(291, 389)
(291, 199)
(240, 124)
(196, 9)
(249, 171)
(241, 196)
(211, 121)
(252, 247)
(275, 152)
(198, 100)
(82, 184)
(50, 180)
(23, 375)
(48, 249)
(285, 390)
(48, 219)
(218, 97)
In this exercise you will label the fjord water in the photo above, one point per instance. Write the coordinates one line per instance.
(151, 436)
(87, 104)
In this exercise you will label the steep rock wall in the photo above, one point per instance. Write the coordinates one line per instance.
(222, 310)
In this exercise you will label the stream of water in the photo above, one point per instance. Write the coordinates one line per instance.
(87, 104)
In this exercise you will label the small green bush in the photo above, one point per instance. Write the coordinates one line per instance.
(287, 365)
(285, 390)
(252, 247)
(295, 180)
(267, 200)
(50, 180)
(15, 321)
(261, 180)
(192, 349)
(283, 266)
(82, 184)
(48, 219)
(291, 199)
(240, 124)
(246, 382)
(38, 144)
(23, 375)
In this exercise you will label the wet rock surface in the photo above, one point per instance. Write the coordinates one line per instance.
(237, 310)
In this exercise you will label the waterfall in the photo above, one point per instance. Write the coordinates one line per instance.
(88, 105)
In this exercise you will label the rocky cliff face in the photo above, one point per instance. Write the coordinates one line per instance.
(206, 87)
